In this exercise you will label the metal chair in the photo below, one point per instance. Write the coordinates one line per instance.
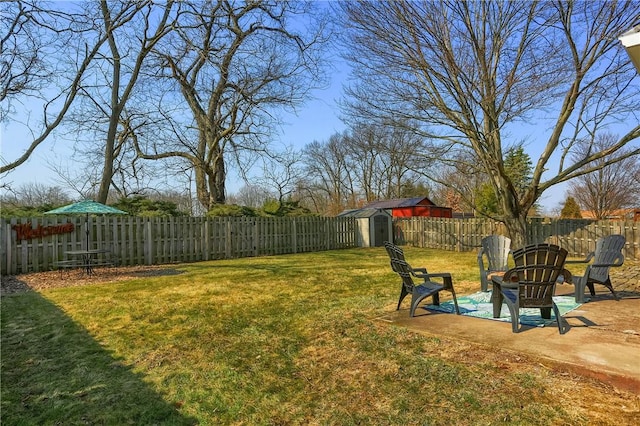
(531, 283)
(421, 291)
(496, 249)
(608, 253)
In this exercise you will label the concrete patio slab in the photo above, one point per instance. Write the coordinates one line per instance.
(603, 340)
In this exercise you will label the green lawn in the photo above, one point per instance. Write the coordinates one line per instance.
(290, 339)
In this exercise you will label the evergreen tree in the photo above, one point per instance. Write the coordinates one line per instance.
(518, 166)
(571, 210)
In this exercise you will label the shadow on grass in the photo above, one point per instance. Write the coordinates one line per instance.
(54, 372)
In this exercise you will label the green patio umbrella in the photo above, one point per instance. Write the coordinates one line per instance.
(86, 207)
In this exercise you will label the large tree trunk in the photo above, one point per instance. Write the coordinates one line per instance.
(107, 170)
(202, 191)
(517, 230)
(218, 178)
(515, 211)
(210, 173)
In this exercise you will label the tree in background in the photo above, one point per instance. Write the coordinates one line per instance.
(409, 189)
(195, 84)
(46, 54)
(228, 68)
(280, 174)
(32, 199)
(143, 206)
(518, 168)
(383, 160)
(570, 210)
(360, 165)
(329, 182)
(464, 180)
(250, 195)
(105, 111)
(24, 45)
(471, 73)
(610, 188)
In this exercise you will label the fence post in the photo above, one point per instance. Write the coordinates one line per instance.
(11, 268)
(148, 242)
(294, 236)
(207, 240)
(227, 243)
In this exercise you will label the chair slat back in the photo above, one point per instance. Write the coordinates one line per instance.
(399, 265)
(497, 248)
(608, 252)
(613, 242)
(394, 252)
(537, 270)
(403, 269)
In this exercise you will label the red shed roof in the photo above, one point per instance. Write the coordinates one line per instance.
(399, 203)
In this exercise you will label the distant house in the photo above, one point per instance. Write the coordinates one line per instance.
(410, 207)
(622, 214)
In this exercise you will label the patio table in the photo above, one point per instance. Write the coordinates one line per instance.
(87, 259)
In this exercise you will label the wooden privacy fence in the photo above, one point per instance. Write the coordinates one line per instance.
(577, 236)
(32, 245)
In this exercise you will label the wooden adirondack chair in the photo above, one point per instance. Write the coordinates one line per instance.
(421, 291)
(496, 249)
(531, 283)
(608, 253)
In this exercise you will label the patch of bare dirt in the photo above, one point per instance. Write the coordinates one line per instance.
(12, 284)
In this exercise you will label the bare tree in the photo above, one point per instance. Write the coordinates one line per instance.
(36, 195)
(250, 195)
(363, 155)
(329, 176)
(471, 72)
(235, 64)
(23, 49)
(609, 188)
(280, 174)
(360, 165)
(47, 60)
(383, 159)
(107, 111)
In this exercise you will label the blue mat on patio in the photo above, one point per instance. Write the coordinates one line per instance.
(479, 305)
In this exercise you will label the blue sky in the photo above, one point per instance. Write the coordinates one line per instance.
(317, 120)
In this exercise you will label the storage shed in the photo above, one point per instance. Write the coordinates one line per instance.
(374, 226)
(410, 207)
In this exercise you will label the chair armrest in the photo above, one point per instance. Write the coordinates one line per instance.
(511, 277)
(440, 275)
(566, 277)
(446, 278)
(585, 260)
(428, 275)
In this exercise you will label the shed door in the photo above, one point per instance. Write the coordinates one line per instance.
(381, 230)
